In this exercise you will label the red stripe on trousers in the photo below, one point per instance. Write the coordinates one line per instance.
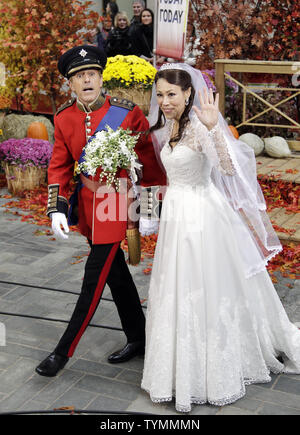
(98, 292)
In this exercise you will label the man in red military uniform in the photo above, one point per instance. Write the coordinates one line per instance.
(75, 122)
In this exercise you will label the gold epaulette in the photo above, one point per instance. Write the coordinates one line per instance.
(122, 102)
(65, 105)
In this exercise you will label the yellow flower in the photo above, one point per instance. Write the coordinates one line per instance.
(128, 71)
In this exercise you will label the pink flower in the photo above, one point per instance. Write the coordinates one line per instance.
(26, 152)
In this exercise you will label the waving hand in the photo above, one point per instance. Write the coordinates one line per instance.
(208, 114)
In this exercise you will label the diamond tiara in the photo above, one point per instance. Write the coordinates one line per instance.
(171, 66)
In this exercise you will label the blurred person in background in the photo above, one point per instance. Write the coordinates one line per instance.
(105, 25)
(112, 9)
(143, 35)
(119, 40)
(137, 7)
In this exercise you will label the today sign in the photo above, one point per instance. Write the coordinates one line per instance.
(171, 18)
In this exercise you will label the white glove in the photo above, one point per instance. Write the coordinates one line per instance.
(148, 227)
(59, 219)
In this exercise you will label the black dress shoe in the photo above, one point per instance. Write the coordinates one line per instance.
(51, 365)
(129, 351)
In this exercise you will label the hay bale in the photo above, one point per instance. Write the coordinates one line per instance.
(15, 126)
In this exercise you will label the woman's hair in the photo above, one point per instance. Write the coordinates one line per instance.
(183, 79)
(121, 14)
(151, 12)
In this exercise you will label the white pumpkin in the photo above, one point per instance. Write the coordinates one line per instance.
(254, 141)
(277, 146)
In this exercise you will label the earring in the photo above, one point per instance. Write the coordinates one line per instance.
(187, 101)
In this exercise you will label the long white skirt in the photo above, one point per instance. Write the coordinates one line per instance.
(209, 330)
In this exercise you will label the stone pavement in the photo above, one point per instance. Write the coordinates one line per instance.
(88, 382)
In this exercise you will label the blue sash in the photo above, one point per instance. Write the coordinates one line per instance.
(113, 118)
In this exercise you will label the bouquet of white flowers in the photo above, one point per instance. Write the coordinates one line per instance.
(111, 150)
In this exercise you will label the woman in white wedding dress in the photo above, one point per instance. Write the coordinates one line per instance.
(214, 320)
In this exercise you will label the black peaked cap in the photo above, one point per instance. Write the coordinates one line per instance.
(81, 58)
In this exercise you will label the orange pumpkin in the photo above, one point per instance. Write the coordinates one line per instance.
(234, 131)
(37, 130)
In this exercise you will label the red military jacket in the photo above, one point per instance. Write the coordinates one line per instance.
(71, 130)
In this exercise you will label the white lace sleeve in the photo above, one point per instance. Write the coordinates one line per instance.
(213, 144)
(225, 163)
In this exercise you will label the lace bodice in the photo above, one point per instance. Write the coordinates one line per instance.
(190, 162)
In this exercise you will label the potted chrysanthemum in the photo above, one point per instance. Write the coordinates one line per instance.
(25, 162)
(130, 77)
